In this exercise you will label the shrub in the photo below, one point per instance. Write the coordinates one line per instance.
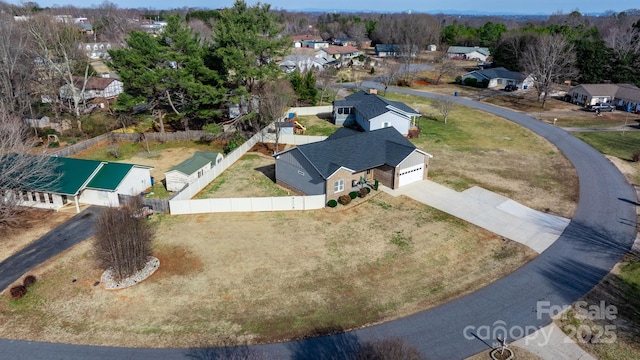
(28, 281)
(332, 203)
(54, 144)
(18, 291)
(635, 157)
(375, 185)
(344, 199)
(363, 192)
(353, 194)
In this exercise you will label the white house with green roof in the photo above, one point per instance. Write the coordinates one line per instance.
(191, 169)
(85, 182)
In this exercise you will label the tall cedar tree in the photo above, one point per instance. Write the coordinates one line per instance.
(167, 74)
(247, 44)
(122, 241)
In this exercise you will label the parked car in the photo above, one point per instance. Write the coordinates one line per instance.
(510, 88)
(602, 107)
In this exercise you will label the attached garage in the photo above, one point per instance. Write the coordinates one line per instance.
(411, 175)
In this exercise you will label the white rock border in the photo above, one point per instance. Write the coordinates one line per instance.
(108, 283)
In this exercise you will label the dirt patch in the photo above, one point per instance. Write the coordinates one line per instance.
(33, 224)
(161, 161)
(267, 276)
(176, 261)
(267, 149)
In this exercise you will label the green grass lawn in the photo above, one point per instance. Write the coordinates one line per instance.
(613, 142)
(317, 126)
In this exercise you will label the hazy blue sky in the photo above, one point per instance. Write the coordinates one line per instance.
(490, 6)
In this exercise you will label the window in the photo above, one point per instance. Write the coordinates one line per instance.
(340, 111)
(338, 186)
(50, 198)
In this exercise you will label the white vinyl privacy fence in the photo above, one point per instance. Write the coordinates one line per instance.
(181, 203)
(282, 203)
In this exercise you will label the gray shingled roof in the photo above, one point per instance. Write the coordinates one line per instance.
(356, 150)
(468, 49)
(500, 73)
(372, 105)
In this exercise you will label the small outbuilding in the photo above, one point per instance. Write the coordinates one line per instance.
(191, 169)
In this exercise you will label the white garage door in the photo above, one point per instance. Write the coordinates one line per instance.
(411, 174)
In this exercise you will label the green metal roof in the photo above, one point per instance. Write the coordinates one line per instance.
(74, 173)
(109, 176)
(196, 162)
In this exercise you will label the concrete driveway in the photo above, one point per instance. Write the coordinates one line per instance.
(490, 211)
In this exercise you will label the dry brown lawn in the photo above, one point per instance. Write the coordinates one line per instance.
(32, 225)
(266, 276)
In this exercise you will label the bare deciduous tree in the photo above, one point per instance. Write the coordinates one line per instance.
(550, 60)
(18, 169)
(57, 49)
(275, 97)
(16, 67)
(444, 107)
(122, 240)
(390, 75)
(444, 65)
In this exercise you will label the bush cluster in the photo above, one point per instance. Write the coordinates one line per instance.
(635, 157)
(353, 194)
(28, 281)
(363, 192)
(18, 291)
(344, 199)
(332, 203)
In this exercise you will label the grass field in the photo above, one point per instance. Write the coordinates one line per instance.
(317, 126)
(266, 276)
(475, 148)
(616, 145)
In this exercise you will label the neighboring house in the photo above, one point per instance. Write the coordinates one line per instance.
(315, 44)
(620, 95)
(84, 182)
(338, 164)
(96, 87)
(299, 39)
(302, 63)
(191, 169)
(369, 112)
(500, 77)
(387, 50)
(345, 42)
(468, 53)
(338, 52)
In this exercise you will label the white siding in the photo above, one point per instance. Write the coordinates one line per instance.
(99, 197)
(175, 180)
(401, 124)
(136, 181)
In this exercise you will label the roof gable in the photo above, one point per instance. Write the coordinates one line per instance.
(357, 151)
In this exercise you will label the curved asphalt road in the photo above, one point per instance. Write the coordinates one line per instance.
(602, 230)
